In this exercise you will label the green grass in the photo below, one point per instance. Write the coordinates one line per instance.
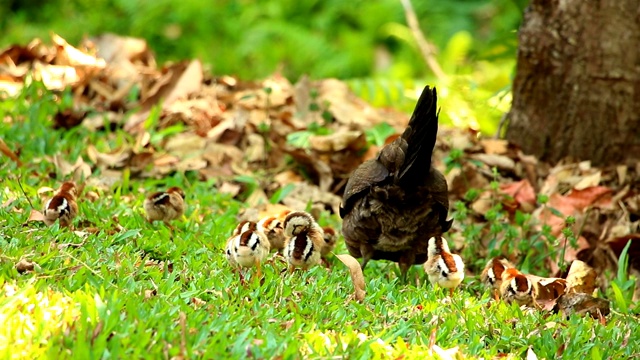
(140, 293)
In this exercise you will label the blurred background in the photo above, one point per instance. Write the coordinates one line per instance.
(368, 44)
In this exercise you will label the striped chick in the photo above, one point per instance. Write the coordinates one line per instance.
(272, 227)
(305, 239)
(165, 205)
(517, 287)
(443, 267)
(492, 274)
(62, 206)
(247, 247)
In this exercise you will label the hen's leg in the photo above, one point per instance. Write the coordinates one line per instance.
(367, 254)
(406, 260)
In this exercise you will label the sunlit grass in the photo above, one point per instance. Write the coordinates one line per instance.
(143, 293)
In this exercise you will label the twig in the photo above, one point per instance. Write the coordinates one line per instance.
(425, 47)
(24, 192)
(183, 333)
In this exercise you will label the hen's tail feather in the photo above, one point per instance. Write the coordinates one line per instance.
(421, 137)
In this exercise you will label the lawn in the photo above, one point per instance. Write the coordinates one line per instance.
(119, 287)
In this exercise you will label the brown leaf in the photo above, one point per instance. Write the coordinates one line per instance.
(494, 146)
(115, 159)
(24, 265)
(357, 277)
(338, 141)
(8, 152)
(493, 160)
(35, 216)
(316, 166)
(548, 288)
(581, 304)
(581, 278)
(522, 192)
(68, 118)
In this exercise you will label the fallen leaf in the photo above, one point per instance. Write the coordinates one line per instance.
(35, 216)
(338, 141)
(494, 160)
(494, 146)
(531, 355)
(548, 288)
(8, 152)
(582, 304)
(589, 181)
(357, 277)
(24, 265)
(522, 192)
(581, 278)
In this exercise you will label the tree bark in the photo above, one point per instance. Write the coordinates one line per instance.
(577, 87)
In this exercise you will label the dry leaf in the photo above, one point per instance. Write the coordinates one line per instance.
(338, 141)
(8, 152)
(581, 304)
(357, 277)
(494, 160)
(531, 355)
(35, 216)
(548, 288)
(589, 181)
(24, 265)
(523, 194)
(581, 278)
(446, 354)
(494, 146)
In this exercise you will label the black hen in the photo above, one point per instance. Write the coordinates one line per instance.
(393, 204)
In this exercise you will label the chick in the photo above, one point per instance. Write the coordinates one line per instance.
(247, 247)
(62, 206)
(492, 273)
(305, 239)
(165, 205)
(330, 239)
(443, 267)
(517, 287)
(273, 228)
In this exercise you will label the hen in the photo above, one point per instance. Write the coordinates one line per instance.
(395, 203)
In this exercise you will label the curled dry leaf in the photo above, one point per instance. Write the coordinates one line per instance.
(581, 304)
(523, 194)
(24, 265)
(494, 146)
(548, 289)
(499, 161)
(8, 152)
(35, 216)
(357, 277)
(581, 278)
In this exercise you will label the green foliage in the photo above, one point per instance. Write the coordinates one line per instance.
(145, 293)
(253, 38)
(623, 285)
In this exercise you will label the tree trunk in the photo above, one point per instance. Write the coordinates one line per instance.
(577, 87)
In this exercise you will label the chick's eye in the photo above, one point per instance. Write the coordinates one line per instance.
(444, 274)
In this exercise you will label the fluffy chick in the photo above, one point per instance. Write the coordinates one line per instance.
(165, 205)
(492, 273)
(305, 239)
(62, 206)
(247, 246)
(517, 287)
(330, 239)
(443, 267)
(273, 228)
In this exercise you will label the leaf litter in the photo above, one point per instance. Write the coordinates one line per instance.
(311, 134)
